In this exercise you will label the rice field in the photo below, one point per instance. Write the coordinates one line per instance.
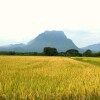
(48, 78)
(91, 60)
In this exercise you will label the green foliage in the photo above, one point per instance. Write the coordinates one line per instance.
(97, 54)
(87, 53)
(61, 54)
(48, 51)
(72, 52)
(21, 53)
(91, 60)
(53, 52)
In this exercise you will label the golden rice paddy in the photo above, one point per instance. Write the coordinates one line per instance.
(48, 78)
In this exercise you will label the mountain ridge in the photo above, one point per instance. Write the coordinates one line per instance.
(56, 39)
(53, 38)
(93, 47)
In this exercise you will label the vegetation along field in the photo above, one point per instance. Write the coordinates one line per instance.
(91, 60)
(49, 78)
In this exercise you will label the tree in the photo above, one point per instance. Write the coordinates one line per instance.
(87, 53)
(61, 54)
(48, 51)
(72, 52)
(12, 53)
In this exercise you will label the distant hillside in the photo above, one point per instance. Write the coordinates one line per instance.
(94, 47)
(14, 47)
(55, 39)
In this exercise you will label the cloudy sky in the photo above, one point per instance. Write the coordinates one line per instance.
(23, 20)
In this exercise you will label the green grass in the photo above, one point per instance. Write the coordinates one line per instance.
(48, 78)
(91, 60)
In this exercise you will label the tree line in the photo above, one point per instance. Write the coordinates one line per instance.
(49, 51)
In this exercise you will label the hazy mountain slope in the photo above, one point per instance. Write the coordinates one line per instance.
(14, 47)
(55, 39)
(94, 47)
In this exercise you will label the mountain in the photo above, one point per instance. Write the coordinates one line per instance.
(94, 47)
(56, 39)
(13, 47)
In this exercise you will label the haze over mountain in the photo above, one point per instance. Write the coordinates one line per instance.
(94, 47)
(53, 38)
(14, 47)
(23, 20)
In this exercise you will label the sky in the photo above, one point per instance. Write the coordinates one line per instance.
(23, 20)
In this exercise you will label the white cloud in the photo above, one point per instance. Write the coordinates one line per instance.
(22, 20)
(83, 38)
